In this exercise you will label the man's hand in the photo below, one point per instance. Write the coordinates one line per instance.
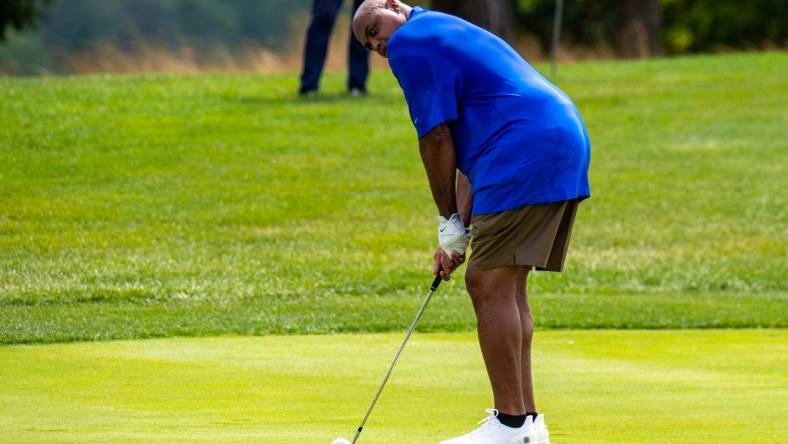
(453, 236)
(446, 264)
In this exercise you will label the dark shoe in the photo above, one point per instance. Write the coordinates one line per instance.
(307, 92)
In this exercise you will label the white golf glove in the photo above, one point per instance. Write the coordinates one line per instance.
(452, 235)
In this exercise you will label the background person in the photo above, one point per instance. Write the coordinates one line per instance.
(522, 153)
(324, 14)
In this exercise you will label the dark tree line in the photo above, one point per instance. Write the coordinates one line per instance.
(632, 28)
(634, 25)
(76, 24)
(652, 27)
(20, 14)
(493, 15)
(635, 28)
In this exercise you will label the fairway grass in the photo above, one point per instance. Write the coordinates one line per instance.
(157, 205)
(680, 386)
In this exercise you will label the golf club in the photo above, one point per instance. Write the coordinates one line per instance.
(433, 287)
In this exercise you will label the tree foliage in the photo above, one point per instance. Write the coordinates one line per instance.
(76, 24)
(20, 14)
(687, 25)
(702, 25)
(631, 27)
(493, 15)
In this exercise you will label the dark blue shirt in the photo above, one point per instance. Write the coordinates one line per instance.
(517, 137)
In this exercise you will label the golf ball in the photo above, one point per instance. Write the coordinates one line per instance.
(341, 441)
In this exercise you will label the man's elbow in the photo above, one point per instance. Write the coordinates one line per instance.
(437, 137)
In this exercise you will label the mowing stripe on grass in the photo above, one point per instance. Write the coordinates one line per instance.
(450, 311)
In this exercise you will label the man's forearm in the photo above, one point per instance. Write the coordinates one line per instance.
(440, 162)
(464, 198)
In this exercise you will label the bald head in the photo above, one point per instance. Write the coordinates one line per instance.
(376, 20)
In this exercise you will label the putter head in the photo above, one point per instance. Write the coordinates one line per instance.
(341, 441)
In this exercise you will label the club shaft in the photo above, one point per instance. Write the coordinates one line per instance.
(434, 287)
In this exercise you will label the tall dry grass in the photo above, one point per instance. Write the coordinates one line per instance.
(142, 56)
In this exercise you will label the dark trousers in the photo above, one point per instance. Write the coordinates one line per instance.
(324, 14)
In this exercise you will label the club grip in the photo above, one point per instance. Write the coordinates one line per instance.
(436, 282)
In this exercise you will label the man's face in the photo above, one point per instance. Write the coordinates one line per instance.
(374, 27)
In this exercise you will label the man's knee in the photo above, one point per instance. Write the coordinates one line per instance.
(494, 281)
(473, 281)
(485, 288)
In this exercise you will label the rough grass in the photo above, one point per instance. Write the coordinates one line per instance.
(136, 206)
(676, 387)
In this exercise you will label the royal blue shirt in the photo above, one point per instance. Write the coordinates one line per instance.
(517, 137)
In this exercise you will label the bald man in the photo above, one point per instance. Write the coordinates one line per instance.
(507, 156)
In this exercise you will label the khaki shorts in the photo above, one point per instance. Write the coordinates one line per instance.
(536, 236)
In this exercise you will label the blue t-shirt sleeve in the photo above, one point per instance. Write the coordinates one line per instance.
(431, 86)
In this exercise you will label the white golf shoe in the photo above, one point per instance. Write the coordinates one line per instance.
(541, 435)
(493, 432)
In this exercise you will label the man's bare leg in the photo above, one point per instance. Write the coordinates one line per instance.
(500, 330)
(528, 334)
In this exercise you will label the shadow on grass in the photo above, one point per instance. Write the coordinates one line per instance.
(319, 99)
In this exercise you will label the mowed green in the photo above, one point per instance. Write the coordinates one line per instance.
(143, 206)
(595, 386)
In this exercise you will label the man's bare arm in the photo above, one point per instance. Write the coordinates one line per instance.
(464, 198)
(437, 154)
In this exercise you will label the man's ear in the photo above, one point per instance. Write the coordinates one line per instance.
(393, 5)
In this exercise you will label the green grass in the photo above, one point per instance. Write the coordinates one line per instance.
(138, 206)
(449, 311)
(594, 386)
